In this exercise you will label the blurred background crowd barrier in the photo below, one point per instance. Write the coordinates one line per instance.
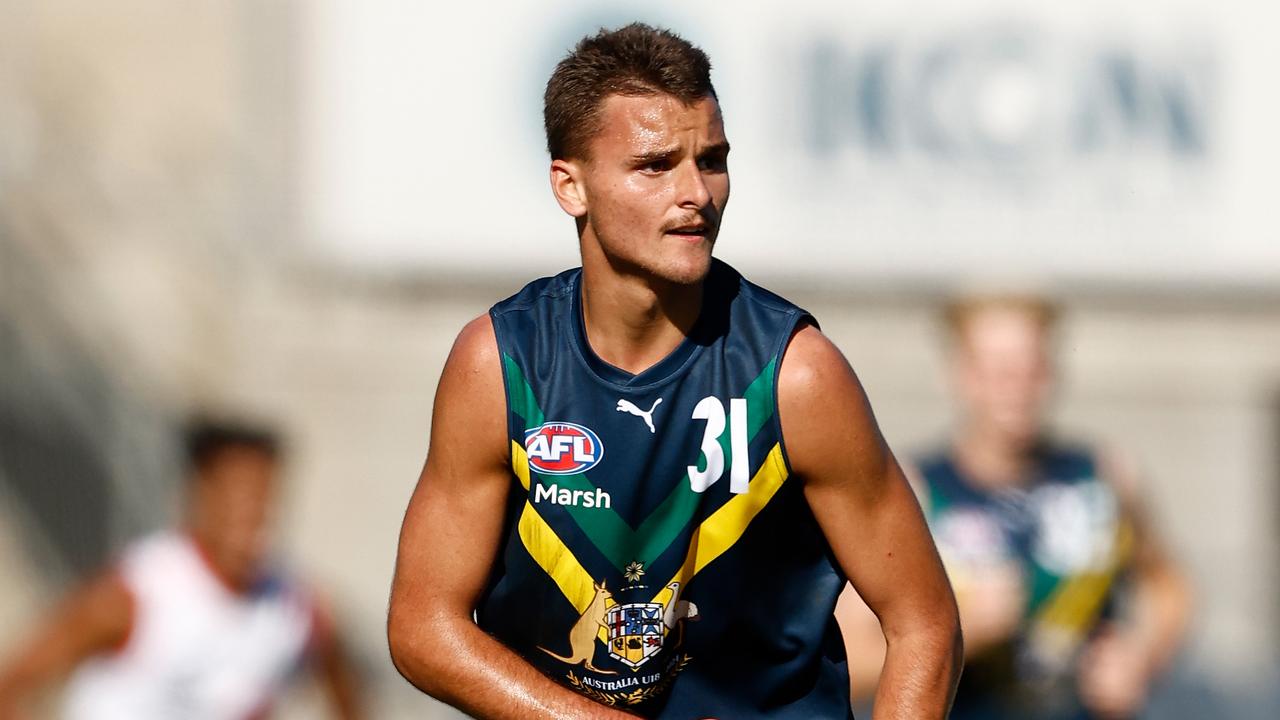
(290, 208)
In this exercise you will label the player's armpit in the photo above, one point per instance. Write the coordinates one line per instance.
(449, 540)
(873, 523)
(93, 619)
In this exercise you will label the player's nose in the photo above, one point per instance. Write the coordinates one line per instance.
(691, 186)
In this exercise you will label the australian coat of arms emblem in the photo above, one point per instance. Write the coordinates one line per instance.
(632, 632)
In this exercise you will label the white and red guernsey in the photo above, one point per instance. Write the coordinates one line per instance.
(197, 649)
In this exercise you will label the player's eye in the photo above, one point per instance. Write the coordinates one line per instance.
(656, 166)
(715, 163)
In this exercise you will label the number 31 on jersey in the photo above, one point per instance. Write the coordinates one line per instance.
(711, 409)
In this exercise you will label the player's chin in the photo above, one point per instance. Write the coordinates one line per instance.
(689, 264)
(1021, 433)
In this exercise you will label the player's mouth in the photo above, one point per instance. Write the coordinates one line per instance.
(691, 233)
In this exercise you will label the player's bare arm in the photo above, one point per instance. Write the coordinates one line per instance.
(1122, 661)
(333, 665)
(874, 525)
(448, 544)
(95, 618)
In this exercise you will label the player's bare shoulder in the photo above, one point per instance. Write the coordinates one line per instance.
(470, 400)
(473, 371)
(100, 614)
(822, 405)
(812, 365)
(815, 376)
(475, 350)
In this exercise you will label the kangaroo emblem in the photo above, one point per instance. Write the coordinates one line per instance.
(626, 406)
(582, 636)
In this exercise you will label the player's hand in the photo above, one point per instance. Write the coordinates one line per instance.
(1114, 675)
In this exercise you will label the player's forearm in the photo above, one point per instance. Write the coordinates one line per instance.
(342, 682)
(920, 672)
(1164, 600)
(456, 662)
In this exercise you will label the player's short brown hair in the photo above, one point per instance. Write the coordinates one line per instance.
(205, 437)
(959, 312)
(634, 60)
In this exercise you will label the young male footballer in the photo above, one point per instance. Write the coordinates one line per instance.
(648, 478)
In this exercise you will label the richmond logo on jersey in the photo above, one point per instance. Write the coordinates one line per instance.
(561, 448)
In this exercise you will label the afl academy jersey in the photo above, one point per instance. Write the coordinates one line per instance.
(1062, 534)
(196, 649)
(657, 556)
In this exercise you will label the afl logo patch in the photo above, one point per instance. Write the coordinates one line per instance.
(561, 448)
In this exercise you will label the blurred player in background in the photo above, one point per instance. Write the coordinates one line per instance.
(1070, 606)
(192, 623)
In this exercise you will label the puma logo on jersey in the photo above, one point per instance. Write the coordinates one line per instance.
(627, 406)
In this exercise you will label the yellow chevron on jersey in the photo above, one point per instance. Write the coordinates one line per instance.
(713, 537)
(719, 532)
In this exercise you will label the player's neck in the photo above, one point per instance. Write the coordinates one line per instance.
(634, 322)
(206, 551)
(991, 459)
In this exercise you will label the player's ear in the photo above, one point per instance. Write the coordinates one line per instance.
(566, 183)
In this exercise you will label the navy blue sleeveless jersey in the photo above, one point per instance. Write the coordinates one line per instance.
(1063, 534)
(656, 557)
